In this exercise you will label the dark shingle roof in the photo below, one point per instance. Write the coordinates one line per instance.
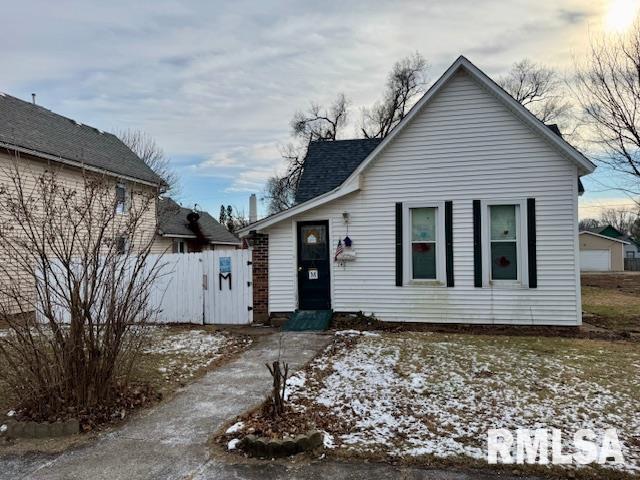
(29, 126)
(172, 220)
(329, 163)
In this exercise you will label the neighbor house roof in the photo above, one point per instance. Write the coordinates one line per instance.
(329, 163)
(172, 222)
(612, 232)
(587, 232)
(352, 182)
(34, 130)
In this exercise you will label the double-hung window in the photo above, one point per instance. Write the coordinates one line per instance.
(424, 243)
(504, 244)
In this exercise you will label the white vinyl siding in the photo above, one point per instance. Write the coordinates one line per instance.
(464, 145)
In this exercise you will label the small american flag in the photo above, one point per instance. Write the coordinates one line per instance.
(339, 250)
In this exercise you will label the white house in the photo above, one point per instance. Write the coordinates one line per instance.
(467, 212)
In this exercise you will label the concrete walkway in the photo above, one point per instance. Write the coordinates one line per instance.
(170, 441)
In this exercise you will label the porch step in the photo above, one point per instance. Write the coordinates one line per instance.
(302, 320)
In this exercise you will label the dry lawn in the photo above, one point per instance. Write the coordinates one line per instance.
(612, 301)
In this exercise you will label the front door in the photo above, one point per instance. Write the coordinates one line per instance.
(313, 266)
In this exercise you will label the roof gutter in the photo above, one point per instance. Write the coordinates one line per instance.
(604, 236)
(340, 191)
(176, 235)
(73, 163)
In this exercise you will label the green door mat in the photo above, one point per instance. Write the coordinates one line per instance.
(302, 320)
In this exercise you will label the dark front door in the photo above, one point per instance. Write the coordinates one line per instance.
(313, 266)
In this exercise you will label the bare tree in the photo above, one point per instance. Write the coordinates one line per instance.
(607, 88)
(145, 147)
(319, 123)
(280, 191)
(82, 264)
(406, 82)
(539, 89)
(622, 219)
(634, 228)
(588, 224)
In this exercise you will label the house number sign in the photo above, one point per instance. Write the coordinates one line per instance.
(313, 274)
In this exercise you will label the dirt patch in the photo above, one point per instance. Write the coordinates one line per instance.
(360, 322)
(623, 282)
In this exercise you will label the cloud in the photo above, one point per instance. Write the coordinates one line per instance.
(594, 208)
(217, 82)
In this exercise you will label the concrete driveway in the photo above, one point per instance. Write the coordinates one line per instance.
(170, 441)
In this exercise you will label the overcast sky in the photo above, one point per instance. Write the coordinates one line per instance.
(216, 83)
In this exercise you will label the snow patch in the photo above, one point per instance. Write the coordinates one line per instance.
(233, 444)
(236, 427)
(328, 441)
(356, 333)
(11, 413)
(3, 428)
(417, 394)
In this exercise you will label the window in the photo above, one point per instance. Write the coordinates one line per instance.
(182, 246)
(504, 243)
(631, 254)
(121, 198)
(121, 245)
(424, 243)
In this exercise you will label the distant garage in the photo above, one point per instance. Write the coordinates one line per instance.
(599, 253)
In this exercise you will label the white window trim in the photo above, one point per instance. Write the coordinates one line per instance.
(407, 264)
(521, 248)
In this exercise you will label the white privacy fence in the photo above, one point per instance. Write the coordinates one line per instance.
(212, 287)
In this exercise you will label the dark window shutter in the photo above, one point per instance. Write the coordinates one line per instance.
(448, 235)
(174, 246)
(477, 244)
(531, 242)
(399, 244)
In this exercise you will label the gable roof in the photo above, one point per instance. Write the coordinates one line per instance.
(329, 163)
(34, 130)
(172, 222)
(606, 230)
(587, 232)
(351, 183)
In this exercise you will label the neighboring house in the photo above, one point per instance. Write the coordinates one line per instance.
(631, 248)
(466, 212)
(601, 253)
(183, 230)
(36, 140)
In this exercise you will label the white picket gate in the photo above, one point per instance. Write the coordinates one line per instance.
(209, 287)
(212, 287)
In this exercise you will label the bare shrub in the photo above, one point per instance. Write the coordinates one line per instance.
(275, 404)
(75, 281)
